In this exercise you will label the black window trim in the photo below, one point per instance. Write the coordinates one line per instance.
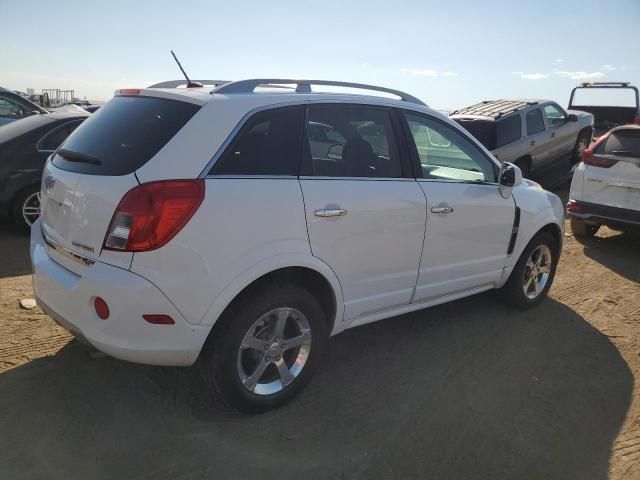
(415, 158)
(45, 150)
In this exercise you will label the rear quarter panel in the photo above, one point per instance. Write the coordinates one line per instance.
(245, 228)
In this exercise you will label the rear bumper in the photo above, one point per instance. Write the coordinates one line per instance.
(68, 298)
(603, 214)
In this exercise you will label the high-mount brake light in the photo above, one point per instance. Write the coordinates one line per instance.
(129, 91)
(151, 214)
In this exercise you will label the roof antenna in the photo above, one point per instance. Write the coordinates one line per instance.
(190, 84)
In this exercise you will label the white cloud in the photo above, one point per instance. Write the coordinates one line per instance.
(420, 72)
(559, 60)
(531, 76)
(365, 64)
(450, 74)
(579, 75)
(608, 68)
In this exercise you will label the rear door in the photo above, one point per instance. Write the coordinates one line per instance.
(89, 174)
(365, 212)
(469, 223)
(617, 185)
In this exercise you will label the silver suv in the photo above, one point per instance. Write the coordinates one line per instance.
(529, 133)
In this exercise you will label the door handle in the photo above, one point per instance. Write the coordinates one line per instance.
(330, 212)
(553, 134)
(532, 143)
(442, 210)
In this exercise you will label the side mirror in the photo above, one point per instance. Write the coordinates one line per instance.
(510, 177)
(572, 117)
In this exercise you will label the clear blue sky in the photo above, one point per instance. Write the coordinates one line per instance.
(448, 53)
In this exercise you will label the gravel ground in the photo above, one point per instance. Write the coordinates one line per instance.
(472, 389)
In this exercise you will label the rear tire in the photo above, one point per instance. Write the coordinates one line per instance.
(26, 207)
(523, 165)
(533, 274)
(583, 229)
(246, 360)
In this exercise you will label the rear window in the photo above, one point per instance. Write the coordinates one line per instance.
(623, 143)
(123, 135)
(604, 97)
(508, 130)
(483, 130)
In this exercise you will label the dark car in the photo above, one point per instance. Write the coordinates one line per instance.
(24, 148)
(14, 106)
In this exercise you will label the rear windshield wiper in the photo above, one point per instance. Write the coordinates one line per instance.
(72, 156)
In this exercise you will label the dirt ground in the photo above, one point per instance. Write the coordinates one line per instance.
(472, 389)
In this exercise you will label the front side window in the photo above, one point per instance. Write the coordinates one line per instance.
(350, 141)
(555, 116)
(10, 108)
(508, 130)
(535, 123)
(447, 155)
(267, 145)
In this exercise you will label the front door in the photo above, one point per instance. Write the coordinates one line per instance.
(365, 212)
(469, 223)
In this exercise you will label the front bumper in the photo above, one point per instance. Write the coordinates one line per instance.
(68, 298)
(602, 214)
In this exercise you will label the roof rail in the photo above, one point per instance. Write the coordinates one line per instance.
(177, 83)
(495, 108)
(601, 84)
(304, 86)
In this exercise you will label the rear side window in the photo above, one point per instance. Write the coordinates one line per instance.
(268, 144)
(622, 143)
(123, 135)
(482, 129)
(358, 141)
(535, 123)
(55, 137)
(508, 130)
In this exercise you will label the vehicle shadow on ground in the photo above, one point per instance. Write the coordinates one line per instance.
(471, 389)
(14, 251)
(618, 252)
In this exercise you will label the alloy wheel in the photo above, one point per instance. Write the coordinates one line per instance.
(274, 351)
(31, 208)
(537, 271)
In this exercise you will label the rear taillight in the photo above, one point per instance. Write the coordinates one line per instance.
(636, 121)
(572, 206)
(151, 214)
(589, 158)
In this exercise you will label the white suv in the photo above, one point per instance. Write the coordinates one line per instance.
(605, 189)
(206, 224)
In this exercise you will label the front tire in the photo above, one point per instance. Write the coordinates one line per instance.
(583, 229)
(266, 348)
(582, 143)
(26, 207)
(533, 274)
